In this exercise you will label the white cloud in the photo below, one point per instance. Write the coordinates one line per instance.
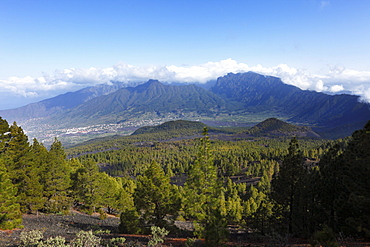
(320, 86)
(365, 95)
(336, 88)
(208, 71)
(337, 79)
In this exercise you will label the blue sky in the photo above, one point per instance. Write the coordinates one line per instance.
(49, 47)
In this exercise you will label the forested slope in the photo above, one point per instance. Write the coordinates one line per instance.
(265, 185)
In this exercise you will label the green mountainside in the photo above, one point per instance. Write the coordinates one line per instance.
(332, 115)
(242, 99)
(149, 100)
(178, 125)
(301, 106)
(241, 95)
(273, 126)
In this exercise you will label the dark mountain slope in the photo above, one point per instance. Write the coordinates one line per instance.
(276, 127)
(254, 89)
(300, 106)
(183, 126)
(150, 98)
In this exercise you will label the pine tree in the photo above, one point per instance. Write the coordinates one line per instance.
(10, 214)
(31, 189)
(23, 164)
(110, 191)
(202, 182)
(17, 150)
(4, 135)
(23, 171)
(286, 186)
(155, 197)
(56, 180)
(352, 208)
(124, 198)
(343, 192)
(86, 185)
(203, 200)
(234, 208)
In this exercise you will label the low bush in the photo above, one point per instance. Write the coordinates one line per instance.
(158, 235)
(31, 238)
(53, 242)
(86, 239)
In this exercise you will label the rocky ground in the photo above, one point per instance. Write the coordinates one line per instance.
(59, 225)
(68, 226)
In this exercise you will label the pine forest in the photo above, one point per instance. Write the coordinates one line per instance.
(306, 188)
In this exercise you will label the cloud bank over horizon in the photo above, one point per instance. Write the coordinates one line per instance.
(337, 79)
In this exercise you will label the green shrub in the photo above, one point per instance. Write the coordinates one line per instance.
(130, 222)
(102, 214)
(101, 231)
(31, 238)
(190, 242)
(158, 235)
(117, 242)
(53, 242)
(86, 239)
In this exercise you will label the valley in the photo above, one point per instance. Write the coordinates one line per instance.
(244, 155)
(243, 99)
(184, 172)
(184, 123)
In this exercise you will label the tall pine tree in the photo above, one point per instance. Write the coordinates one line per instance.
(356, 159)
(10, 214)
(155, 197)
(56, 180)
(31, 189)
(287, 187)
(17, 150)
(204, 200)
(4, 135)
(86, 185)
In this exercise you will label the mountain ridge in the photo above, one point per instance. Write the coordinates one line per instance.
(60, 102)
(151, 97)
(304, 106)
(235, 98)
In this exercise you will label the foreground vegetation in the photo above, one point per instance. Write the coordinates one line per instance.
(298, 187)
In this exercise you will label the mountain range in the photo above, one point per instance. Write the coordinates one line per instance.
(239, 99)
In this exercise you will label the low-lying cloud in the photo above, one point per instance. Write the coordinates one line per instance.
(337, 79)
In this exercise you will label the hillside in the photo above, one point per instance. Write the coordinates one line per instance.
(150, 100)
(242, 99)
(332, 115)
(276, 127)
(178, 126)
(301, 106)
(183, 129)
(271, 127)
